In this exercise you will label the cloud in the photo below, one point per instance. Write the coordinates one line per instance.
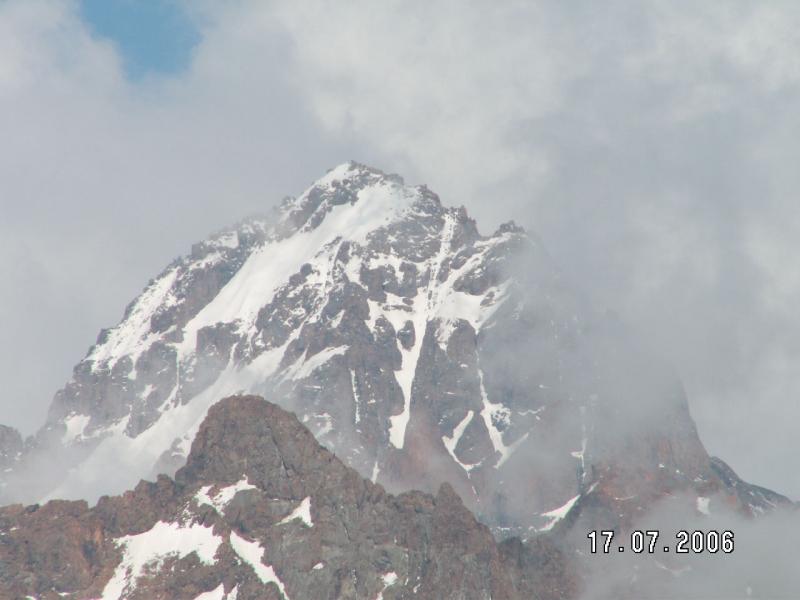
(651, 147)
(760, 565)
(103, 181)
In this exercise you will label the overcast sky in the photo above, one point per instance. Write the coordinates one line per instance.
(653, 146)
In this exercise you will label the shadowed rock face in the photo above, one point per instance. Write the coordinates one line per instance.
(11, 446)
(261, 510)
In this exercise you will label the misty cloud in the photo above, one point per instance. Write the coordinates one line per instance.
(761, 565)
(651, 147)
(648, 146)
(103, 182)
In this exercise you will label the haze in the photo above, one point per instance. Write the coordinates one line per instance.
(652, 147)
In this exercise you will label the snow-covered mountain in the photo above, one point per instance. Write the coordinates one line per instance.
(415, 348)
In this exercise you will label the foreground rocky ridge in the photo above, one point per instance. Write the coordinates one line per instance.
(261, 510)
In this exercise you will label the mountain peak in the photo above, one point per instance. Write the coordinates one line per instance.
(246, 436)
(352, 170)
(245, 518)
(418, 350)
(347, 184)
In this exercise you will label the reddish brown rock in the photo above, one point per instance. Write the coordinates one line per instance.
(352, 540)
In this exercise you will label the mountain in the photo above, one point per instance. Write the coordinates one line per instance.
(415, 348)
(261, 510)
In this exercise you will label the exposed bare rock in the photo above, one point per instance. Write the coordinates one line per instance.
(261, 508)
(11, 446)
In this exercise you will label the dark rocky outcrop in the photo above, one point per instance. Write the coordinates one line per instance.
(251, 468)
(11, 446)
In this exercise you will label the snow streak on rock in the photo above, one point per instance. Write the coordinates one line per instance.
(252, 553)
(301, 513)
(221, 499)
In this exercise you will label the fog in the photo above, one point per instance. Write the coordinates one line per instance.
(761, 564)
(651, 147)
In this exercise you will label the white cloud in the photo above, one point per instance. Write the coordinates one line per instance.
(103, 181)
(651, 145)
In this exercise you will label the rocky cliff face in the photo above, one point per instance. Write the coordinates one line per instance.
(261, 510)
(11, 447)
(415, 348)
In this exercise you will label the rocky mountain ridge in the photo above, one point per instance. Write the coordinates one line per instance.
(417, 349)
(261, 510)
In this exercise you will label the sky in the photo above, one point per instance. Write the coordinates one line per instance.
(651, 146)
(150, 36)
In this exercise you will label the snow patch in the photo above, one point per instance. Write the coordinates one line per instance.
(75, 425)
(151, 548)
(445, 330)
(130, 337)
(221, 499)
(356, 398)
(252, 553)
(303, 368)
(490, 413)
(559, 513)
(217, 593)
(451, 442)
(302, 512)
(474, 309)
(581, 454)
(389, 579)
